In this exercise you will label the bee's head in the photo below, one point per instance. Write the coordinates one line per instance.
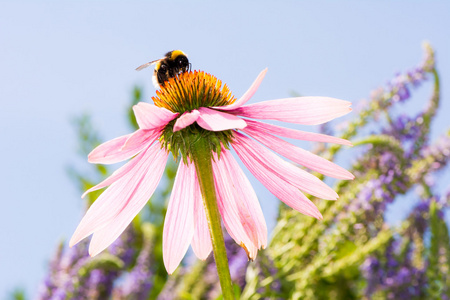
(180, 60)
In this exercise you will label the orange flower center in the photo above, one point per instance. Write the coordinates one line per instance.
(192, 90)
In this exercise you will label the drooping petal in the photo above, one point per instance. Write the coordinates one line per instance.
(179, 222)
(116, 197)
(284, 191)
(186, 119)
(295, 134)
(235, 215)
(111, 152)
(300, 110)
(119, 173)
(285, 170)
(299, 155)
(201, 241)
(214, 120)
(247, 95)
(150, 116)
(139, 137)
(247, 195)
(147, 183)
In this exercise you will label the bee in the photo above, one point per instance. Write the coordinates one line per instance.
(172, 64)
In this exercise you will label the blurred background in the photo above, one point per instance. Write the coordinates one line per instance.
(59, 60)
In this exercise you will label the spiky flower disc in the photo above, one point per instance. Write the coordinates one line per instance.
(192, 90)
(187, 92)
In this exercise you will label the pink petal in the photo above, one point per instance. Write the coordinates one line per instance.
(300, 110)
(248, 94)
(139, 137)
(201, 241)
(247, 195)
(287, 193)
(214, 120)
(150, 116)
(286, 171)
(295, 134)
(236, 217)
(136, 200)
(116, 198)
(299, 155)
(119, 173)
(186, 119)
(110, 152)
(179, 223)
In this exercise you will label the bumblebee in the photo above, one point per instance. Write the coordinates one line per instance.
(172, 64)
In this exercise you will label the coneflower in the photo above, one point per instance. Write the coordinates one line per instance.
(196, 117)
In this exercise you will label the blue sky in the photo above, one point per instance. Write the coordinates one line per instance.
(59, 59)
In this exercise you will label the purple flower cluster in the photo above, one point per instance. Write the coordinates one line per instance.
(138, 283)
(74, 274)
(123, 247)
(99, 284)
(62, 278)
(393, 273)
(439, 152)
(380, 189)
(400, 84)
(419, 217)
(400, 270)
(404, 128)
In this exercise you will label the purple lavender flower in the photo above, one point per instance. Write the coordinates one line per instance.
(138, 282)
(98, 285)
(399, 87)
(58, 283)
(439, 151)
(393, 271)
(75, 275)
(122, 247)
(403, 128)
(372, 273)
(386, 181)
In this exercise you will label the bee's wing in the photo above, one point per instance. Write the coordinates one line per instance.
(148, 64)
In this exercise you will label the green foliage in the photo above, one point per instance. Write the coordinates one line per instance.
(137, 97)
(18, 294)
(438, 271)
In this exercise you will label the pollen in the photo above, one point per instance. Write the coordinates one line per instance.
(192, 90)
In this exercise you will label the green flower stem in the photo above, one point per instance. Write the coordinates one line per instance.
(202, 155)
